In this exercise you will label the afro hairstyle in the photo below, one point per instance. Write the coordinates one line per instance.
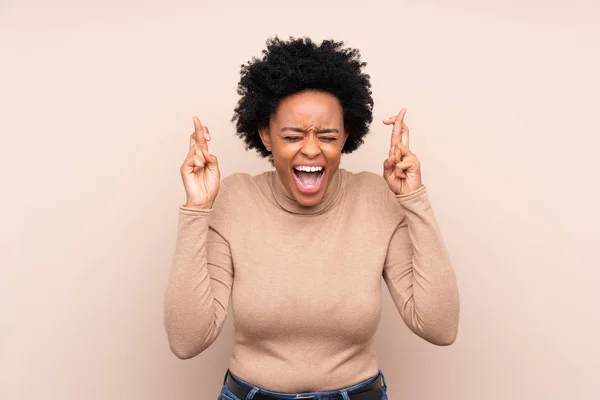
(297, 65)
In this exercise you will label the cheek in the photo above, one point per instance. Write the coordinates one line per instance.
(282, 157)
(285, 151)
(333, 153)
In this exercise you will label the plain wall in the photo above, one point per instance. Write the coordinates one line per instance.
(96, 106)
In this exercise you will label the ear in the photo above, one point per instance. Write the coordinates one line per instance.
(346, 134)
(265, 136)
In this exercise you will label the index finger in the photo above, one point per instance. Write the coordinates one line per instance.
(199, 133)
(397, 130)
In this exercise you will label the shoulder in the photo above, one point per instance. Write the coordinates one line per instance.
(241, 180)
(245, 186)
(364, 179)
(236, 181)
(371, 188)
(366, 184)
(237, 194)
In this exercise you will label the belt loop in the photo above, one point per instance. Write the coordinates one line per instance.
(251, 394)
(383, 381)
(225, 377)
(345, 395)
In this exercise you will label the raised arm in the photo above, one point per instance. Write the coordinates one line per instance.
(200, 281)
(418, 271)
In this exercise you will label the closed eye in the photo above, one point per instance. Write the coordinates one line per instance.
(297, 138)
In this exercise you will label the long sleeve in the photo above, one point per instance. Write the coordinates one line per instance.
(200, 280)
(418, 271)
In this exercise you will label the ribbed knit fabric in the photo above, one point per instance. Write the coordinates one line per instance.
(305, 282)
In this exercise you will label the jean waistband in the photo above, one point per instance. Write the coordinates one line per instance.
(292, 395)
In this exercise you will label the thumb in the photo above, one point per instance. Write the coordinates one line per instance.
(213, 164)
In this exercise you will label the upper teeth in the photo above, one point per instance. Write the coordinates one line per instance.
(306, 168)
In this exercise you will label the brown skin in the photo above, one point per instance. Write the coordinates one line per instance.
(307, 127)
(402, 169)
(200, 170)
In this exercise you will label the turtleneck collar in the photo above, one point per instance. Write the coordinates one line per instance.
(333, 194)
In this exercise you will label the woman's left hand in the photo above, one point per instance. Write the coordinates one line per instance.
(402, 169)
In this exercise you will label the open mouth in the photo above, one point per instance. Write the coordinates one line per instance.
(308, 178)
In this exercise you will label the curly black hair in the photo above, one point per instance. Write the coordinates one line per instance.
(296, 65)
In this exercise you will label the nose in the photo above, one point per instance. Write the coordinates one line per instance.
(311, 147)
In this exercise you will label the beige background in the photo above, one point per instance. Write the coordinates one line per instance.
(96, 102)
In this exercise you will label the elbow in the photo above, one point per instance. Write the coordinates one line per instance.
(445, 331)
(185, 346)
(184, 342)
(444, 338)
(183, 352)
(441, 331)
(438, 335)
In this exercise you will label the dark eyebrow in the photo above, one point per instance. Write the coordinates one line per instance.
(289, 128)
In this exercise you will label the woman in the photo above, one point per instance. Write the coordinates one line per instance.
(301, 250)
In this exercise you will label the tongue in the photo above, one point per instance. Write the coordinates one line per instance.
(307, 178)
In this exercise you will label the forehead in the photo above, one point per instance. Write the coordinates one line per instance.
(309, 108)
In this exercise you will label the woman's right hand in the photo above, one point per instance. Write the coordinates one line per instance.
(200, 170)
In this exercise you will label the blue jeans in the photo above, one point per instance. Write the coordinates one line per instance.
(227, 395)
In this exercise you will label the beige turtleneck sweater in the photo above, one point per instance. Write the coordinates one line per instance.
(305, 282)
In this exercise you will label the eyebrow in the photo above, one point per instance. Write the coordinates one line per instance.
(293, 129)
